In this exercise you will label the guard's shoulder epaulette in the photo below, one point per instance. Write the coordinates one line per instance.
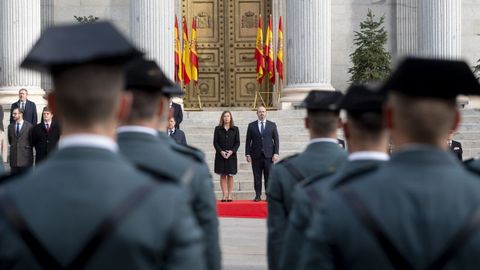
(158, 176)
(471, 165)
(468, 161)
(353, 176)
(189, 151)
(310, 180)
(11, 176)
(287, 158)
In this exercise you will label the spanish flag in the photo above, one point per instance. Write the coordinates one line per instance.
(186, 65)
(259, 52)
(194, 53)
(177, 54)
(280, 50)
(269, 52)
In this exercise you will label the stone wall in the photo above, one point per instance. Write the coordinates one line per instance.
(346, 17)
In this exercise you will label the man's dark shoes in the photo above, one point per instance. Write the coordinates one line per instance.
(257, 198)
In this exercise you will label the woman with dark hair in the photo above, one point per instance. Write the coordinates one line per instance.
(226, 140)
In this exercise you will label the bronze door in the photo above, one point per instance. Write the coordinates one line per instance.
(226, 33)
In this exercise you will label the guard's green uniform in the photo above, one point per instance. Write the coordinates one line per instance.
(64, 199)
(420, 199)
(318, 157)
(308, 195)
(164, 156)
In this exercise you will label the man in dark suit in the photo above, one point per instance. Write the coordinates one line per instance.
(20, 140)
(92, 209)
(323, 153)
(261, 149)
(455, 146)
(28, 107)
(177, 113)
(176, 134)
(341, 143)
(419, 210)
(141, 144)
(45, 136)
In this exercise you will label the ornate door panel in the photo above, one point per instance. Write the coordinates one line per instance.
(226, 33)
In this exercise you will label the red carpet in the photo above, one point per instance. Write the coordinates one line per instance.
(242, 209)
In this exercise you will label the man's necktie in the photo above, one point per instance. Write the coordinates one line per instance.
(170, 133)
(262, 128)
(47, 127)
(23, 106)
(17, 131)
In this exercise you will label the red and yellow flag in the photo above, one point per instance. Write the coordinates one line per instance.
(280, 50)
(177, 54)
(186, 64)
(269, 52)
(259, 52)
(194, 53)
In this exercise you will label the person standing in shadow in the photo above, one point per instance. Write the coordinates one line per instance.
(175, 133)
(226, 140)
(45, 135)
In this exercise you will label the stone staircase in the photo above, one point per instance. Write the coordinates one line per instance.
(199, 127)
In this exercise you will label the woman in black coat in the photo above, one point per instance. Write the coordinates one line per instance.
(226, 141)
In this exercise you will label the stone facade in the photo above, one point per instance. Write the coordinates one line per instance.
(346, 15)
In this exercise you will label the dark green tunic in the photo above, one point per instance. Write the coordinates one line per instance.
(164, 156)
(421, 199)
(317, 158)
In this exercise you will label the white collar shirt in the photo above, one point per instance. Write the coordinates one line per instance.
(368, 155)
(88, 140)
(138, 129)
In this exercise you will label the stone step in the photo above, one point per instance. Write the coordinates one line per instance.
(241, 195)
(238, 185)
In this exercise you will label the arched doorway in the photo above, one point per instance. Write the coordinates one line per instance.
(226, 34)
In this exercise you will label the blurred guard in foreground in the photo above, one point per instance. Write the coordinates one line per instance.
(421, 209)
(86, 207)
(139, 141)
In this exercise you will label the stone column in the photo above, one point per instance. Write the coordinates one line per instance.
(20, 26)
(47, 17)
(439, 28)
(308, 49)
(19, 29)
(406, 27)
(151, 28)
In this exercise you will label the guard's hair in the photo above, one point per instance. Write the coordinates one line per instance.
(88, 94)
(144, 105)
(322, 123)
(423, 120)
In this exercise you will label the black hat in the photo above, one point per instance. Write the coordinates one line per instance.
(142, 74)
(432, 78)
(362, 99)
(318, 100)
(60, 47)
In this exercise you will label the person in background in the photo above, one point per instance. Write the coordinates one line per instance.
(45, 136)
(175, 133)
(226, 140)
(455, 146)
(177, 113)
(28, 108)
(20, 140)
(261, 149)
(3, 139)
